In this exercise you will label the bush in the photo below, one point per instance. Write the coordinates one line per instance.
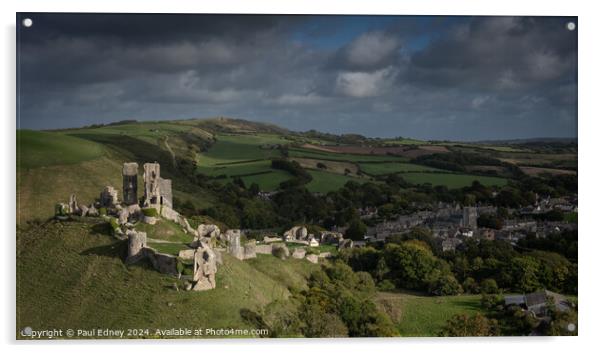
(470, 285)
(386, 285)
(102, 211)
(114, 224)
(462, 325)
(445, 285)
(491, 301)
(489, 286)
(150, 212)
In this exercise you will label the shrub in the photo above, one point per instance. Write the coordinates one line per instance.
(114, 224)
(445, 285)
(150, 212)
(102, 211)
(462, 325)
(386, 285)
(470, 285)
(489, 286)
(491, 301)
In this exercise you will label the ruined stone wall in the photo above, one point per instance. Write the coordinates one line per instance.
(152, 175)
(165, 192)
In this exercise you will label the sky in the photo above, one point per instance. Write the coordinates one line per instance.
(427, 77)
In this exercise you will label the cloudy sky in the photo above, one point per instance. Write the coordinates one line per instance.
(459, 78)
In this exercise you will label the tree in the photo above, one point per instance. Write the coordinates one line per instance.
(445, 285)
(357, 230)
(462, 325)
(489, 286)
(523, 270)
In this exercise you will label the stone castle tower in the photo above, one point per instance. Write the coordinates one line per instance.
(130, 183)
(157, 191)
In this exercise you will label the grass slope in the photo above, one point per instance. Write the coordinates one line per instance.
(416, 315)
(71, 275)
(324, 181)
(42, 149)
(53, 165)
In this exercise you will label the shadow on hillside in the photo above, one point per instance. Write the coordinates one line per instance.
(115, 250)
(103, 228)
(142, 151)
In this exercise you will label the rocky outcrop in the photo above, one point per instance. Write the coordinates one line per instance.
(299, 253)
(205, 268)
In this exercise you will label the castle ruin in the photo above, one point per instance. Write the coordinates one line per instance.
(157, 191)
(130, 183)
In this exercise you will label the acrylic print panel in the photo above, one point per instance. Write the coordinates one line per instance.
(220, 176)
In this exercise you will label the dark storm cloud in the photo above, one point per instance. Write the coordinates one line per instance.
(426, 77)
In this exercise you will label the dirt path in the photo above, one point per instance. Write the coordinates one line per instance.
(173, 155)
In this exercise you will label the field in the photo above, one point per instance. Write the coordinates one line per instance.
(238, 148)
(452, 181)
(391, 168)
(324, 182)
(417, 315)
(316, 154)
(77, 276)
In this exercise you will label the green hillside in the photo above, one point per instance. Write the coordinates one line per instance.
(42, 149)
(76, 274)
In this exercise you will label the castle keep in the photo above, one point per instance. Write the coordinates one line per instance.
(130, 183)
(157, 191)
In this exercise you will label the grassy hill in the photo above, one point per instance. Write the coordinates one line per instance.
(72, 274)
(418, 315)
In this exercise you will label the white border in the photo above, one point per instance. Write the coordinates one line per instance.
(589, 168)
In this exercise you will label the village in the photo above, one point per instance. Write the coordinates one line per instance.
(450, 224)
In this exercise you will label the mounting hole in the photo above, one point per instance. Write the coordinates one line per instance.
(27, 22)
(571, 26)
